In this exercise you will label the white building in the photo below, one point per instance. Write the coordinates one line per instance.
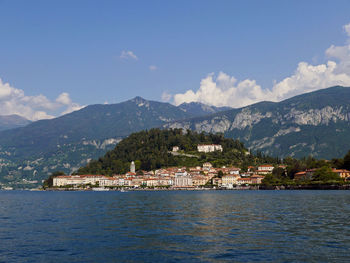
(77, 180)
(234, 170)
(265, 169)
(229, 180)
(209, 148)
(181, 173)
(176, 148)
(183, 181)
(207, 166)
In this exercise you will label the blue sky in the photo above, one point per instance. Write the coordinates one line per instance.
(74, 48)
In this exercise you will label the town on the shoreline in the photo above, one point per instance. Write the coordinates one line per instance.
(174, 177)
(182, 178)
(205, 176)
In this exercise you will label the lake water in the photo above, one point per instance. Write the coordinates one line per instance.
(172, 226)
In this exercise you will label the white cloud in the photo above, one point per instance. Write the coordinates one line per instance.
(14, 101)
(152, 68)
(225, 90)
(347, 29)
(64, 99)
(166, 97)
(128, 55)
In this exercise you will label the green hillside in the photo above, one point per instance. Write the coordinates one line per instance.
(151, 150)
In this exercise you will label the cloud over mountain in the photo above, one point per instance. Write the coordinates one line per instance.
(14, 101)
(225, 90)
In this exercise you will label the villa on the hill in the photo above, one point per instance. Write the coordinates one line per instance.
(206, 148)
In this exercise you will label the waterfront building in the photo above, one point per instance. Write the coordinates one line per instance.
(183, 181)
(217, 181)
(75, 180)
(244, 181)
(64, 180)
(199, 180)
(300, 175)
(108, 181)
(256, 179)
(345, 174)
(229, 180)
(152, 182)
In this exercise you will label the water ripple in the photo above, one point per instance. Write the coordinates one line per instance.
(193, 226)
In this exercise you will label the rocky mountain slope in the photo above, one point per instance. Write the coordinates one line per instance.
(12, 121)
(197, 109)
(316, 123)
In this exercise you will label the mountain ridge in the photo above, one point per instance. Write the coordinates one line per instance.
(70, 141)
(13, 121)
(266, 126)
(315, 123)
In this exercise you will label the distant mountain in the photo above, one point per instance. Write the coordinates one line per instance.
(316, 123)
(68, 142)
(12, 121)
(199, 109)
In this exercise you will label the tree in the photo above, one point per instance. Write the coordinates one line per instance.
(325, 174)
(270, 180)
(346, 161)
(137, 165)
(220, 174)
(278, 171)
(57, 173)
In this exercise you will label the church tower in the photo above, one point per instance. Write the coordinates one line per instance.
(132, 167)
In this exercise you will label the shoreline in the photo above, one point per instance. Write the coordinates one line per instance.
(247, 188)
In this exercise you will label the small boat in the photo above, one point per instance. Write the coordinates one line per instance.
(100, 189)
(123, 191)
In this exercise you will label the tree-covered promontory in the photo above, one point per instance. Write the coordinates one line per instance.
(152, 150)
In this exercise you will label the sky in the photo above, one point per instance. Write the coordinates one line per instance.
(59, 56)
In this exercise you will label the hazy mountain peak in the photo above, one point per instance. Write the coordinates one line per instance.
(12, 121)
(200, 109)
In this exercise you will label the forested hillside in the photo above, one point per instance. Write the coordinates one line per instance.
(151, 150)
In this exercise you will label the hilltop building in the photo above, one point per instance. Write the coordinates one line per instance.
(209, 148)
(176, 148)
(265, 169)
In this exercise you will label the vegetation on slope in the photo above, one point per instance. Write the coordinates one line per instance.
(323, 171)
(151, 150)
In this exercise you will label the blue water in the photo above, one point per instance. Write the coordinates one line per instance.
(172, 226)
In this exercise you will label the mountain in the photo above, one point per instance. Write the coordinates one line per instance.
(70, 141)
(316, 123)
(199, 109)
(12, 121)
